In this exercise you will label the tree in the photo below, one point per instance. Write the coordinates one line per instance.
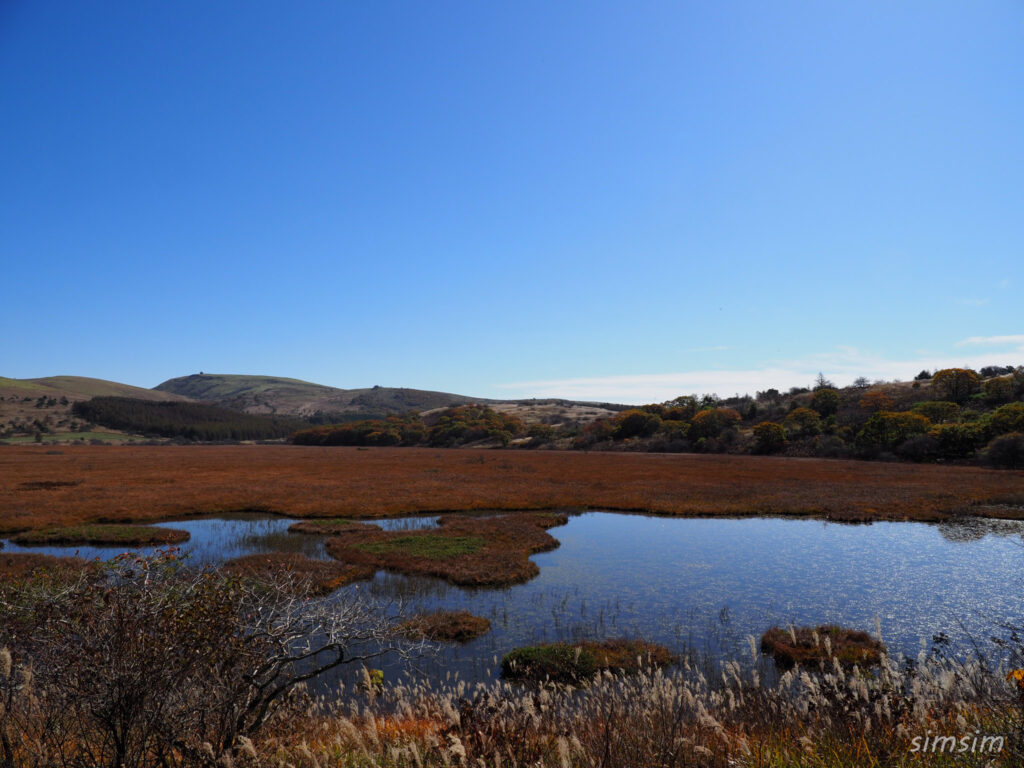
(820, 382)
(957, 384)
(956, 441)
(1008, 418)
(886, 430)
(143, 663)
(712, 422)
(635, 423)
(803, 422)
(938, 411)
(769, 437)
(999, 390)
(876, 400)
(825, 401)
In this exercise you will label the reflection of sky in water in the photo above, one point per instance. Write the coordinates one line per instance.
(212, 540)
(669, 580)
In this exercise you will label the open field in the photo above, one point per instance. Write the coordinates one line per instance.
(145, 483)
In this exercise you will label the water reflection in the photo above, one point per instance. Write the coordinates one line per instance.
(212, 541)
(703, 584)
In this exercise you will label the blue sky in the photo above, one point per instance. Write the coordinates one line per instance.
(595, 200)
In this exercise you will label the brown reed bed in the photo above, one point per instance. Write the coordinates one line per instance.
(16, 565)
(579, 662)
(809, 646)
(99, 533)
(315, 577)
(124, 484)
(447, 626)
(470, 551)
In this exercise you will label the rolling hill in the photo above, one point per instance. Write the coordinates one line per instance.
(294, 397)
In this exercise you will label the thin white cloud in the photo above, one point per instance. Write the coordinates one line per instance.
(1003, 341)
(843, 366)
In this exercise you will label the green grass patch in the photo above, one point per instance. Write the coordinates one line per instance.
(129, 535)
(429, 547)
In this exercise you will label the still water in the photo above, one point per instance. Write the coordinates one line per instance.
(692, 583)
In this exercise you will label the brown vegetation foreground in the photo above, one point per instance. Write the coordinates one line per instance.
(142, 483)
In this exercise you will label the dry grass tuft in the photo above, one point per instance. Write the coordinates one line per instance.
(451, 626)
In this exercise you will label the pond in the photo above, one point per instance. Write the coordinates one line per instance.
(693, 583)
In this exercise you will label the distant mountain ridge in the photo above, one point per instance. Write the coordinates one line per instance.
(80, 388)
(294, 397)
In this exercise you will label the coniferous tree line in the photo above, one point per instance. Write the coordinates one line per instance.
(191, 421)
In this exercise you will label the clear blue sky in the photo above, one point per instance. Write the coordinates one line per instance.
(592, 199)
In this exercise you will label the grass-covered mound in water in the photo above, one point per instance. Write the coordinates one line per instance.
(578, 662)
(492, 551)
(328, 526)
(317, 577)
(453, 626)
(805, 645)
(100, 533)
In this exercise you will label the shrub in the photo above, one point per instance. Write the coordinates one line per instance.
(876, 400)
(802, 422)
(1000, 390)
(919, 448)
(635, 423)
(1008, 418)
(1007, 451)
(937, 411)
(956, 441)
(887, 429)
(711, 422)
(769, 437)
(142, 663)
(825, 401)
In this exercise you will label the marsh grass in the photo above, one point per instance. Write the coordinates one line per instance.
(579, 662)
(385, 482)
(428, 546)
(469, 551)
(315, 577)
(820, 645)
(450, 626)
(99, 533)
(672, 718)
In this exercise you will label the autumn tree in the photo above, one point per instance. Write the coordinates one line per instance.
(957, 384)
(876, 400)
(769, 437)
(802, 422)
(712, 422)
(635, 423)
